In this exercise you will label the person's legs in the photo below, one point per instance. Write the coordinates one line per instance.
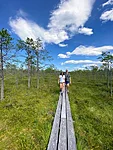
(67, 86)
(61, 86)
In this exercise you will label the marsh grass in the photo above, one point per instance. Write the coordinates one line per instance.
(92, 111)
(26, 115)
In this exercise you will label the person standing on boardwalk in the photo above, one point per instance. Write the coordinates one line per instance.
(61, 81)
(67, 80)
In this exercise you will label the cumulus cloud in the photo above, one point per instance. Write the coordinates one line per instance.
(63, 45)
(89, 50)
(84, 67)
(86, 31)
(66, 20)
(55, 36)
(107, 15)
(71, 14)
(109, 2)
(89, 66)
(63, 56)
(80, 62)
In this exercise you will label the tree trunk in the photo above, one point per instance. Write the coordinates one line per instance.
(111, 82)
(2, 76)
(108, 76)
(37, 70)
(29, 70)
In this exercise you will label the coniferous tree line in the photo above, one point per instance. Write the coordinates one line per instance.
(107, 59)
(35, 55)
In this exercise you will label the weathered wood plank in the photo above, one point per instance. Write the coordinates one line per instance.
(63, 127)
(63, 136)
(70, 128)
(63, 113)
(53, 142)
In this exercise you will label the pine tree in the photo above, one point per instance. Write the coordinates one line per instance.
(5, 46)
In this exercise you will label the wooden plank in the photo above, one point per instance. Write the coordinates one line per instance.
(63, 113)
(63, 136)
(63, 127)
(70, 128)
(53, 142)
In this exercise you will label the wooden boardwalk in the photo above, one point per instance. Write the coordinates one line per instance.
(62, 134)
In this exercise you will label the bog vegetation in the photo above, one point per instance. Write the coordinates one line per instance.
(29, 97)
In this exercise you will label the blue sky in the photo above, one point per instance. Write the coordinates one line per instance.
(75, 32)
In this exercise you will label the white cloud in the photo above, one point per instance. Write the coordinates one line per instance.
(89, 65)
(109, 2)
(107, 15)
(64, 22)
(86, 31)
(71, 13)
(26, 28)
(89, 51)
(63, 45)
(83, 67)
(81, 62)
(55, 36)
(63, 56)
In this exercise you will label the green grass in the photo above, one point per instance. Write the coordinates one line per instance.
(92, 111)
(26, 115)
